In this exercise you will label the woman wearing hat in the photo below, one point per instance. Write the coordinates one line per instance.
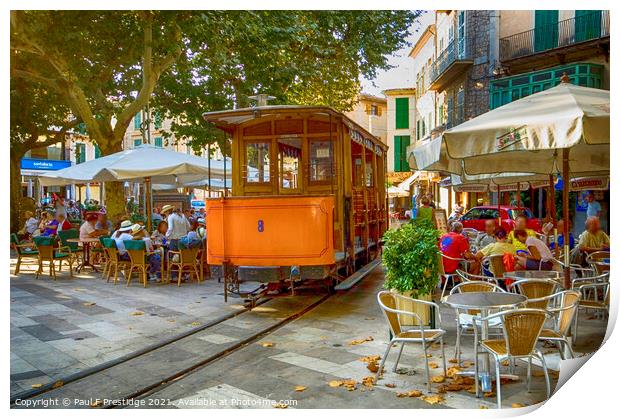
(154, 258)
(123, 233)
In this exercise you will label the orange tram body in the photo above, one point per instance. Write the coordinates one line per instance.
(308, 198)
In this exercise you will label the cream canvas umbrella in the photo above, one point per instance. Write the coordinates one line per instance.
(145, 163)
(536, 134)
(396, 192)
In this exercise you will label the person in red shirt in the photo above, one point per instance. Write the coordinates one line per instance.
(454, 245)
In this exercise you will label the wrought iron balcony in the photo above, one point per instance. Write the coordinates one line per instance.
(452, 61)
(566, 33)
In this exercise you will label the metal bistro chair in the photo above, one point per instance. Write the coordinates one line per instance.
(48, 253)
(186, 261)
(449, 276)
(535, 290)
(495, 263)
(577, 271)
(464, 318)
(592, 304)
(563, 319)
(466, 277)
(73, 248)
(522, 328)
(114, 259)
(596, 260)
(586, 280)
(26, 252)
(137, 255)
(425, 336)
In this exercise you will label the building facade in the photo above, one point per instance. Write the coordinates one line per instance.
(423, 55)
(401, 117)
(370, 112)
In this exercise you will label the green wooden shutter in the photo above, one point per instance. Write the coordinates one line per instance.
(402, 112)
(97, 151)
(545, 29)
(137, 120)
(587, 25)
(405, 140)
(137, 142)
(80, 153)
(158, 142)
(157, 120)
(397, 150)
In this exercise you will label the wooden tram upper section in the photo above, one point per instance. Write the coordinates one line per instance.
(311, 151)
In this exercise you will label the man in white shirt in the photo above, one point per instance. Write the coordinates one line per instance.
(122, 234)
(178, 226)
(540, 257)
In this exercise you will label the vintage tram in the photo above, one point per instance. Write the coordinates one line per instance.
(308, 198)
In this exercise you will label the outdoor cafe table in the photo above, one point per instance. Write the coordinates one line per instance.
(485, 301)
(86, 243)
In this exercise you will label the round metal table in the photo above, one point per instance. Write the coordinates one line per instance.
(86, 243)
(485, 301)
(517, 275)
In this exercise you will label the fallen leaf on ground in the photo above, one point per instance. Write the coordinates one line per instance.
(370, 358)
(280, 405)
(372, 366)
(453, 361)
(489, 394)
(433, 399)
(96, 403)
(506, 363)
(300, 388)
(483, 407)
(390, 385)
(438, 379)
(38, 385)
(468, 364)
(195, 324)
(368, 381)
(410, 393)
(360, 341)
(453, 372)
(136, 313)
(267, 344)
(517, 405)
(89, 304)
(433, 365)
(58, 384)
(335, 383)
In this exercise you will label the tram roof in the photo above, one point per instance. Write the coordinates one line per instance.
(228, 120)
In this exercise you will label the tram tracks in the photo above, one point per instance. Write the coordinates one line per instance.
(150, 369)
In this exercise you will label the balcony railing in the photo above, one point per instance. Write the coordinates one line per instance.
(587, 27)
(457, 50)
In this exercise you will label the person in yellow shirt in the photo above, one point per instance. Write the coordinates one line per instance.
(593, 239)
(500, 247)
(520, 224)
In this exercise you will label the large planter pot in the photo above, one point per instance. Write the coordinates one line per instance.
(422, 310)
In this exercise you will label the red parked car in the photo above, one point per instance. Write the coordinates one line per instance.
(476, 217)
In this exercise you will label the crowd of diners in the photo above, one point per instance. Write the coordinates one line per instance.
(523, 246)
(171, 224)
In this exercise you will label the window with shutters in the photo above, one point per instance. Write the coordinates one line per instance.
(159, 142)
(80, 153)
(402, 112)
(97, 151)
(137, 142)
(401, 142)
(157, 120)
(545, 29)
(137, 120)
(587, 24)
(374, 110)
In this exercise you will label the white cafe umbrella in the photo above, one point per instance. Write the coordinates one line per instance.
(87, 191)
(396, 192)
(30, 189)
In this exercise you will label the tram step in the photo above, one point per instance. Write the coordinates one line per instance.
(357, 276)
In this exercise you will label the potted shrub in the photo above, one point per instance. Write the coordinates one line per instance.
(411, 260)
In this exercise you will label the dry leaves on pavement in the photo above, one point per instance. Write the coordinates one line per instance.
(267, 344)
(517, 405)
(350, 385)
(453, 361)
(280, 405)
(89, 304)
(433, 365)
(300, 388)
(58, 384)
(360, 341)
(411, 393)
(390, 385)
(368, 381)
(195, 324)
(136, 313)
(38, 385)
(438, 379)
(433, 399)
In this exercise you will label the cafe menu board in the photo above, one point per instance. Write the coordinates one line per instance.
(441, 220)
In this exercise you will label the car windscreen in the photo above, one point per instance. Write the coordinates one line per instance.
(513, 213)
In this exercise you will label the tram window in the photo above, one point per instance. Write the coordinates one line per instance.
(321, 161)
(289, 157)
(369, 174)
(257, 163)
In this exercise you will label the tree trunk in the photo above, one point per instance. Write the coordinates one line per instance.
(16, 191)
(114, 192)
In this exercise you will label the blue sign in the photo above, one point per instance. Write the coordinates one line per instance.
(42, 164)
(198, 204)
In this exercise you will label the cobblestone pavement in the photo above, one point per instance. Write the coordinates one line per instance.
(310, 351)
(64, 326)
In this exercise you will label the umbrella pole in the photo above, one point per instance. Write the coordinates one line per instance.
(552, 199)
(499, 203)
(147, 202)
(518, 195)
(566, 179)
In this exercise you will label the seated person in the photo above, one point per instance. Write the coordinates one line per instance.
(201, 230)
(123, 233)
(30, 226)
(51, 226)
(63, 223)
(520, 224)
(593, 239)
(159, 235)
(455, 245)
(499, 247)
(539, 258)
(571, 238)
(88, 229)
(104, 224)
(488, 237)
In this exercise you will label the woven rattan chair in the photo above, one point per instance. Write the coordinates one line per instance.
(449, 276)
(73, 248)
(186, 261)
(495, 264)
(137, 255)
(420, 334)
(535, 290)
(26, 253)
(596, 260)
(563, 319)
(590, 301)
(464, 318)
(50, 254)
(114, 259)
(104, 258)
(522, 329)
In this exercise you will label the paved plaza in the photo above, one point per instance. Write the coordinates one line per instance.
(56, 330)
